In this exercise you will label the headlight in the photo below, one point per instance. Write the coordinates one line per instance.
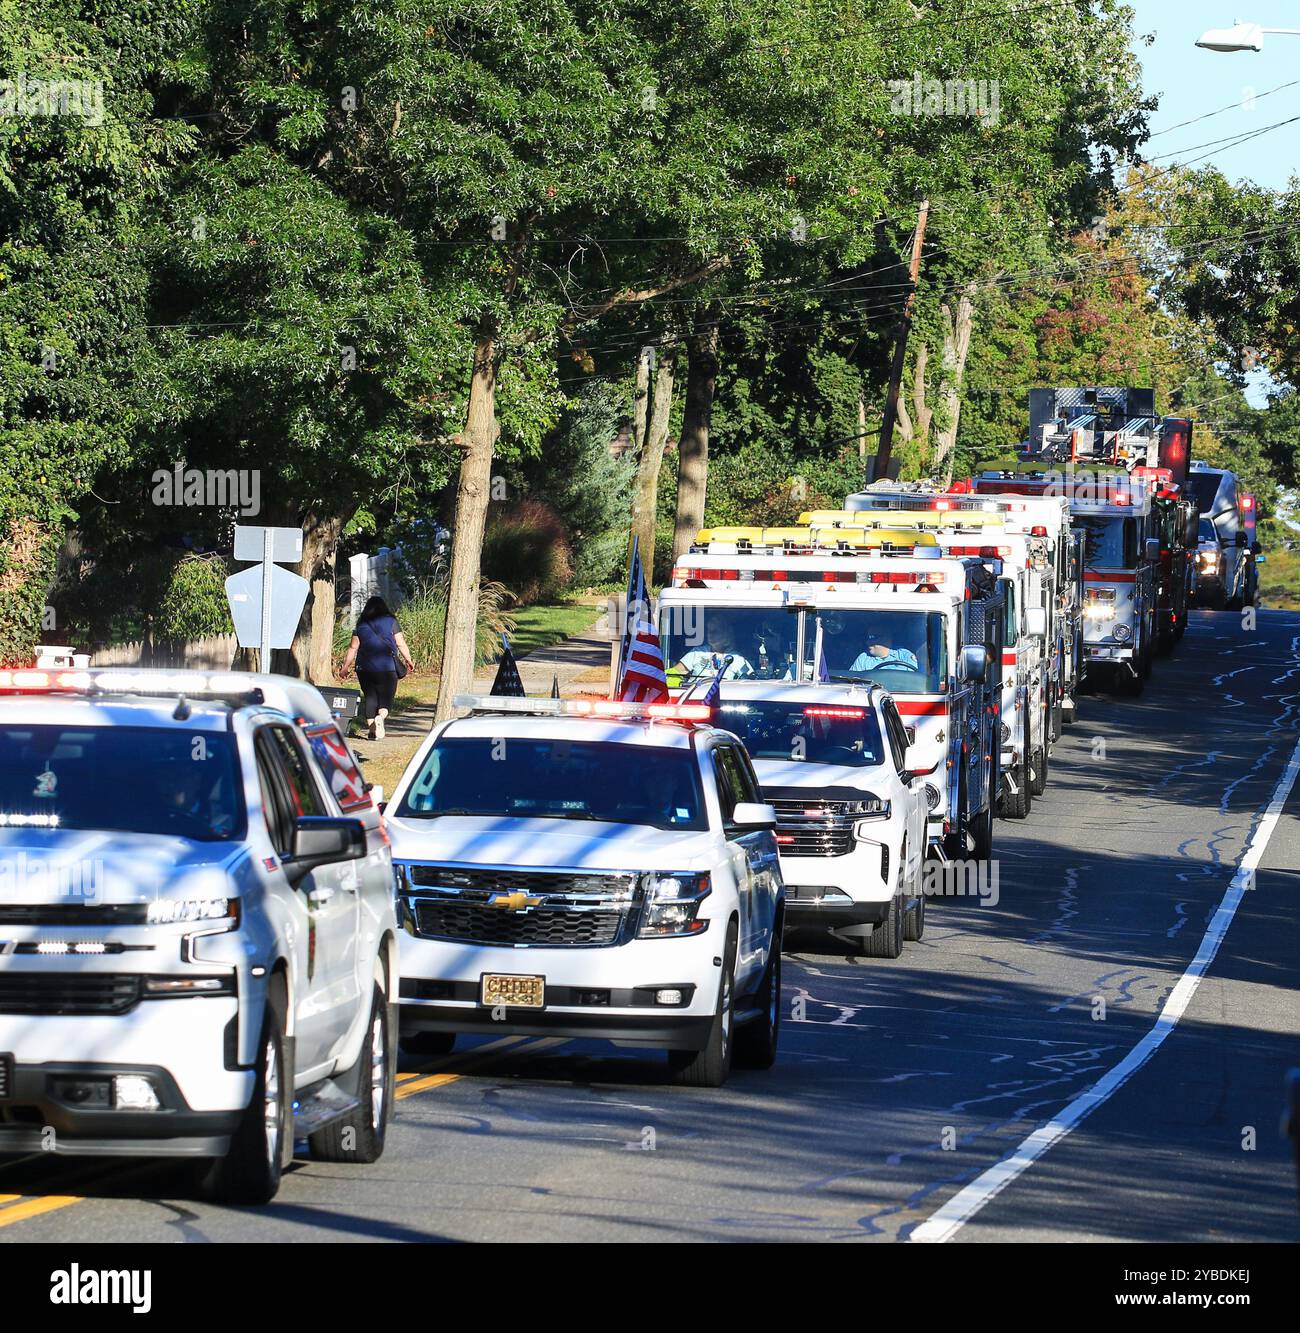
(172, 911)
(872, 806)
(932, 796)
(1123, 633)
(1006, 733)
(671, 903)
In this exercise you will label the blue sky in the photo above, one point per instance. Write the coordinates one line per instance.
(1191, 82)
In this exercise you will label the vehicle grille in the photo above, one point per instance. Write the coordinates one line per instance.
(73, 914)
(68, 993)
(813, 827)
(573, 911)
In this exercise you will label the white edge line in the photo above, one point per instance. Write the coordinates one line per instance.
(943, 1224)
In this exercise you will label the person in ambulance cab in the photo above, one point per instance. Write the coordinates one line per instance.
(721, 643)
(880, 655)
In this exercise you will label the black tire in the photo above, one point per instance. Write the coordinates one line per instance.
(359, 1137)
(886, 941)
(709, 1068)
(981, 835)
(955, 842)
(250, 1172)
(914, 920)
(756, 1041)
(1038, 782)
(1017, 805)
(428, 1043)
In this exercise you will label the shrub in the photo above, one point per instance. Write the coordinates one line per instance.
(526, 548)
(193, 604)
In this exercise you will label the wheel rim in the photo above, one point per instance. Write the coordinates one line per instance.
(271, 1105)
(726, 1010)
(378, 1071)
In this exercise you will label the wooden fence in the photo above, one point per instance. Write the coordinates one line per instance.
(215, 653)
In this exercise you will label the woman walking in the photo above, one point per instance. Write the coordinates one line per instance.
(377, 646)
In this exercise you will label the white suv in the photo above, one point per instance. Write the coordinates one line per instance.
(589, 869)
(197, 937)
(833, 761)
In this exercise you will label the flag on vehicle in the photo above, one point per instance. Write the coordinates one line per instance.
(641, 677)
(508, 679)
(713, 695)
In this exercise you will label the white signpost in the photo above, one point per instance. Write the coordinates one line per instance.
(266, 601)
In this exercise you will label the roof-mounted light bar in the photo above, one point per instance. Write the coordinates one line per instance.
(191, 684)
(613, 709)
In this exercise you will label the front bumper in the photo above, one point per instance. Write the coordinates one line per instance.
(194, 1041)
(849, 890)
(1108, 652)
(40, 1113)
(606, 993)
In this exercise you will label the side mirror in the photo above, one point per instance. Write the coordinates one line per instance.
(753, 814)
(1151, 549)
(912, 767)
(1242, 539)
(320, 840)
(377, 795)
(974, 662)
(1036, 622)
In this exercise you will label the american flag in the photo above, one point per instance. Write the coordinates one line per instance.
(641, 676)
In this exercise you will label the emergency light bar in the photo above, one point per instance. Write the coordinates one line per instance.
(191, 684)
(614, 709)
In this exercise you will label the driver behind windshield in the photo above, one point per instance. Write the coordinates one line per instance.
(878, 655)
(722, 642)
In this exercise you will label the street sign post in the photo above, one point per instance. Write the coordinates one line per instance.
(266, 601)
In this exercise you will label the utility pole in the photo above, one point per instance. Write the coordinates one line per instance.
(886, 445)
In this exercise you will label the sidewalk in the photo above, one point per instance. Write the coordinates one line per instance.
(580, 663)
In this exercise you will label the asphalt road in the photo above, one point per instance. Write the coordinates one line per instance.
(903, 1081)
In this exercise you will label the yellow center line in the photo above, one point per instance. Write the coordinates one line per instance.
(9, 1198)
(529, 1046)
(20, 1212)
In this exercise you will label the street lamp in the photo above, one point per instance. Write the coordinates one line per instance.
(1240, 37)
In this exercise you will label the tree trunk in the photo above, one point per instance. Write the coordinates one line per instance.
(645, 491)
(693, 447)
(473, 491)
(313, 645)
(641, 400)
(862, 427)
(956, 346)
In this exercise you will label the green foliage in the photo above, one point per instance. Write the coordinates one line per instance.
(422, 619)
(526, 549)
(194, 604)
(587, 486)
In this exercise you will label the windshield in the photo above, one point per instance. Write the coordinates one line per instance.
(1109, 543)
(164, 780)
(1205, 487)
(761, 640)
(817, 733)
(906, 651)
(518, 778)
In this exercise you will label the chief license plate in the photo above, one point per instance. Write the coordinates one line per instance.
(513, 992)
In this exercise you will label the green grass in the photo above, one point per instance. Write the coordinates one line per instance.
(1279, 580)
(540, 626)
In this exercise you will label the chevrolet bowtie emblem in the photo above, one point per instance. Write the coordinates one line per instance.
(513, 902)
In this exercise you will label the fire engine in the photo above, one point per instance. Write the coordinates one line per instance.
(793, 604)
(1025, 707)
